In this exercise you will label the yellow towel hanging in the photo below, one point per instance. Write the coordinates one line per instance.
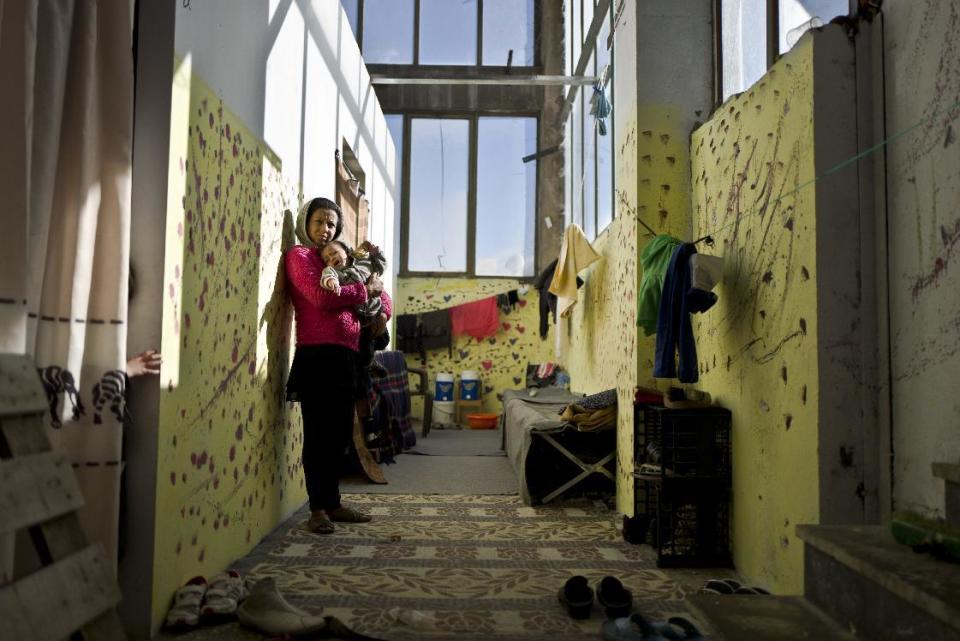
(576, 253)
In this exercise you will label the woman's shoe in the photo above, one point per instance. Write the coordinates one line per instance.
(577, 597)
(616, 599)
(344, 514)
(320, 523)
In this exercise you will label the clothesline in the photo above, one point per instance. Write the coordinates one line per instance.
(708, 238)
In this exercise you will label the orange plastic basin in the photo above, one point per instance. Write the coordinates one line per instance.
(483, 421)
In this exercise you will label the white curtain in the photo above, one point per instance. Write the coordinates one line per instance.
(66, 109)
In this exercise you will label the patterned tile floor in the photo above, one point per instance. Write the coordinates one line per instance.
(459, 567)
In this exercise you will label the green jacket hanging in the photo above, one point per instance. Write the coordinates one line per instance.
(654, 261)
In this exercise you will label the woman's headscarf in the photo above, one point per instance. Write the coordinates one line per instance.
(308, 208)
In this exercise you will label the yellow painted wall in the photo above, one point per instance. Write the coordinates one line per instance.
(501, 359)
(228, 456)
(758, 346)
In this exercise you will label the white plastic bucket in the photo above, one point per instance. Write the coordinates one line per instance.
(443, 387)
(469, 385)
(443, 413)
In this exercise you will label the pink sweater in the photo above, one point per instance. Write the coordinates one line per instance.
(323, 318)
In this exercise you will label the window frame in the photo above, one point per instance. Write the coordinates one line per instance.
(473, 117)
(493, 69)
(772, 40)
(581, 124)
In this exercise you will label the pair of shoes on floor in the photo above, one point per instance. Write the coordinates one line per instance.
(576, 596)
(322, 521)
(199, 601)
(636, 627)
(730, 586)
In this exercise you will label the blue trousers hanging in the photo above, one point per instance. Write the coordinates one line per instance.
(674, 329)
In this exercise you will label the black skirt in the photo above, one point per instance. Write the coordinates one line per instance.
(321, 370)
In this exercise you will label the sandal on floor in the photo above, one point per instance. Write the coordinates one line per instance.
(185, 611)
(320, 523)
(616, 600)
(577, 597)
(345, 514)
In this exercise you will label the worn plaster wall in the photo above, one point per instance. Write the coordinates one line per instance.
(262, 97)
(776, 349)
(660, 90)
(922, 57)
(502, 359)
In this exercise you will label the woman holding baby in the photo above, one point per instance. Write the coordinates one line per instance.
(327, 377)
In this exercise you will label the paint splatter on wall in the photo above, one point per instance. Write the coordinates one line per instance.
(922, 54)
(228, 462)
(757, 347)
(502, 359)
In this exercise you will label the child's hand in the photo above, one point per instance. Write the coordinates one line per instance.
(337, 289)
(371, 249)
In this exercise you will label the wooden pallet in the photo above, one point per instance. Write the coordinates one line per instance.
(75, 593)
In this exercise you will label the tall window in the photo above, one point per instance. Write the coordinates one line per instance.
(450, 32)
(508, 26)
(388, 31)
(395, 127)
(439, 180)
(744, 43)
(471, 202)
(589, 146)
(506, 197)
(753, 33)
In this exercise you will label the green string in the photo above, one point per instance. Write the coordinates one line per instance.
(832, 170)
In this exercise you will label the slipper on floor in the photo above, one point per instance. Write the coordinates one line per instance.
(638, 628)
(690, 631)
(616, 600)
(576, 596)
(266, 610)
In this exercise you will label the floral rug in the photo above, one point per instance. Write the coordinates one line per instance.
(465, 567)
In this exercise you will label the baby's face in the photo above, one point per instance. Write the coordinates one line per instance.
(333, 255)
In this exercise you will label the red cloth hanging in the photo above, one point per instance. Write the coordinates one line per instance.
(479, 319)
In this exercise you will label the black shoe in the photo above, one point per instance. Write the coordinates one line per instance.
(577, 597)
(616, 599)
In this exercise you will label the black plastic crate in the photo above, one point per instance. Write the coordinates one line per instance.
(688, 443)
(687, 521)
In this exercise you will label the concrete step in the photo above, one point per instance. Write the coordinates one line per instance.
(732, 617)
(950, 473)
(879, 589)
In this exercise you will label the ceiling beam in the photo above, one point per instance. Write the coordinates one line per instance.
(379, 79)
